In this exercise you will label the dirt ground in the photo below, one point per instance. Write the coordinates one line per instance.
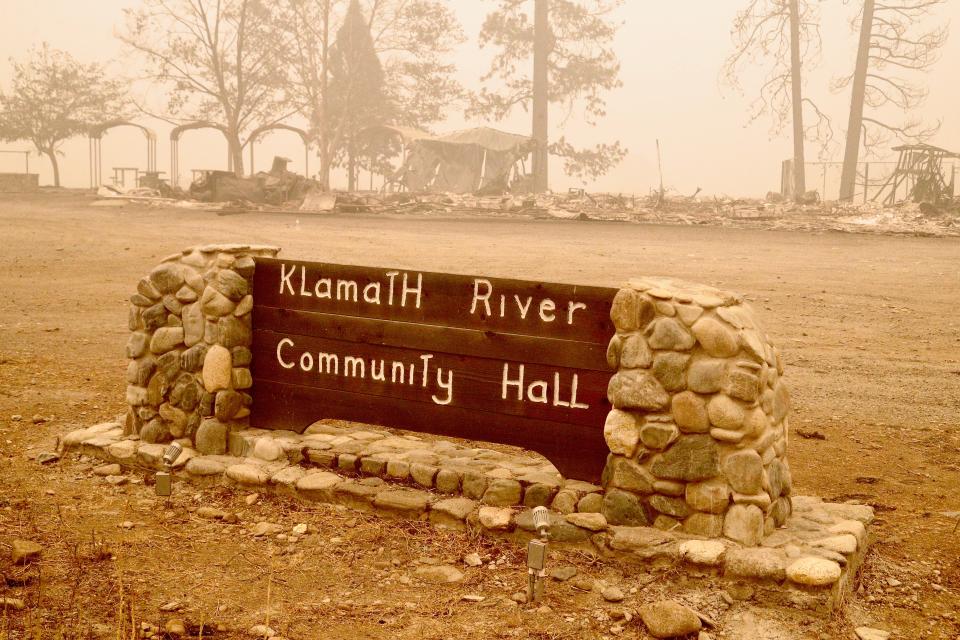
(869, 329)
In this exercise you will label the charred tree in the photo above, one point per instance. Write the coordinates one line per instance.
(888, 45)
(784, 34)
(540, 99)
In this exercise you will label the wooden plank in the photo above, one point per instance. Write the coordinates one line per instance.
(558, 311)
(577, 451)
(432, 378)
(472, 342)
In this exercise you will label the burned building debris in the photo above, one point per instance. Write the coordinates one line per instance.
(481, 160)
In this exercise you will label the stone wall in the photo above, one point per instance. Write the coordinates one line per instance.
(697, 435)
(698, 432)
(189, 348)
(19, 182)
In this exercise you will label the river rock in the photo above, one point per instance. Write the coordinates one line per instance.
(495, 518)
(623, 473)
(621, 432)
(716, 338)
(167, 277)
(670, 368)
(705, 375)
(725, 413)
(669, 619)
(744, 471)
(691, 458)
(744, 524)
(706, 552)
(589, 521)
(217, 369)
(631, 311)
(235, 332)
(635, 353)
(658, 435)
(623, 508)
(637, 389)
(668, 334)
(814, 572)
(502, 493)
(690, 412)
(231, 284)
(712, 496)
(211, 437)
(439, 574)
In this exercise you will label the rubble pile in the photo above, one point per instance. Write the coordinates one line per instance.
(282, 191)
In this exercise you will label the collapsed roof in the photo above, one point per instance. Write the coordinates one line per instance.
(467, 161)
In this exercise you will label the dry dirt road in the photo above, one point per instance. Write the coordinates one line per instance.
(868, 326)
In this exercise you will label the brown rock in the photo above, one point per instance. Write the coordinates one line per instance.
(690, 412)
(637, 389)
(716, 337)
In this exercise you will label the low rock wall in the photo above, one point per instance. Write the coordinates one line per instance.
(697, 433)
(810, 562)
(19, 182)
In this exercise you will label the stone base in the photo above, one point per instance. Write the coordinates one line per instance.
(809, 563)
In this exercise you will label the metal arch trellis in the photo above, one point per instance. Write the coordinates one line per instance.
(175, 146)
(95, 135)
(304, 136)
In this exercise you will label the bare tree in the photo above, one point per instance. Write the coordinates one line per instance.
(784, 34)
(53, 97)
(889, 46)
(217, 60)
(569, 43)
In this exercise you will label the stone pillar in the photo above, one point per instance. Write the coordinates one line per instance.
(190, 347)
(698, 432)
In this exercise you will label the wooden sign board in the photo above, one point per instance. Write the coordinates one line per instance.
(508, 361)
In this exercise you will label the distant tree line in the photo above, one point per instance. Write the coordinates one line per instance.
(896, 40)
(343, 66)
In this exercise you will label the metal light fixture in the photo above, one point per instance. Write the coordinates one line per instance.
(537, 555)
(164, 479)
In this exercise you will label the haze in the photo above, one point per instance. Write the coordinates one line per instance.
(670, 52)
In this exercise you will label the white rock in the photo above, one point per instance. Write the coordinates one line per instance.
(247, 474)
(589, 521)
(844, 543)
(439, 574)
(868, 633)
(495, 518)
(705, 552)
(217, 369)
(472, 560)
(267, 449)
(812, 571)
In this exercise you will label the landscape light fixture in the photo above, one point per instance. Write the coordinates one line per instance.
(537, 555)
(164, 479)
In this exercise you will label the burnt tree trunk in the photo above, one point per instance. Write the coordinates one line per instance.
(848, 177)
(541, 55)
(324, 176)
(799, 170)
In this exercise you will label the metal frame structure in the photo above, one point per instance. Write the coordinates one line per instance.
(95, 135)
(175, 146)
(304, 136)
(920, 170)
